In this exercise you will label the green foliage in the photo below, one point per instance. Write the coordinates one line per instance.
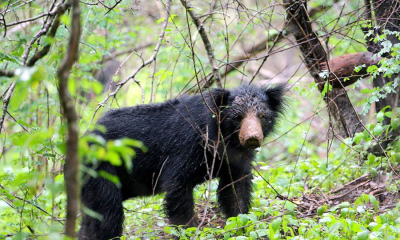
(300, 163)
(388, 67)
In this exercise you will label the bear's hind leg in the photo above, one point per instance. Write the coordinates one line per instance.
(105, 198)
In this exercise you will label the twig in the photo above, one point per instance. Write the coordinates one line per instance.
(276, 40)
(22, 4)
(132, 76)
(6, 73)
(6, 101)
(349, 191)
(33, 204)
(117, 54)
(158, 177)
(23, 127)
(43, 52)
(50, 13)
(59, 8)
(207, 44)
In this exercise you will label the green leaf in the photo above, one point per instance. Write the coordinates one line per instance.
(344, 205)
(325, 220)
(134, 143)
(20, 94)
(371, 159)
(372, 225)
(65, 19)
(321, 210)
(242, 219)
(112, 178)
(10, 58)
(372, 68)
(276, 224)
(92, 213)
(396, 157)
(395, 123)
(380, 116)
(361, 209)
(171, 17)
(373, 201)
(378, 130)
(242, 238)
(160, 20)
(364, 235)
(389, 114)
(94, 138)
(161, 223)
(344, 212)
(261, 232)
(113, 157)
(290, 206)
(72, 86)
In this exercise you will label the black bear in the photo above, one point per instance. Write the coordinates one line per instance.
(190, 139)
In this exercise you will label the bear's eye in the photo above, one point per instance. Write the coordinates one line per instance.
(261, 115)
(238, 117)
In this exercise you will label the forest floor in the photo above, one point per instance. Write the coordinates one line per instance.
(308, 204)
(350, 192)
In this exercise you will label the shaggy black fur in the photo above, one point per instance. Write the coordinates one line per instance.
(175, 133)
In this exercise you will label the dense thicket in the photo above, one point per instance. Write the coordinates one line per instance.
(330, 170)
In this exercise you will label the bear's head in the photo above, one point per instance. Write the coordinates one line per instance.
(249, 113)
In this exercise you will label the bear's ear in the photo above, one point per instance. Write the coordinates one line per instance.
(219, 97)
(275, 97)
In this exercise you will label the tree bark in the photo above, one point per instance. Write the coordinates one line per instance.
(342, 68)
(345, 119)
(387, 17)
(71, 160)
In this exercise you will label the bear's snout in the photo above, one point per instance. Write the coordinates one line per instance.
(251, 134)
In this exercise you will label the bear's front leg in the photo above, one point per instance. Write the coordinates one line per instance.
(179, 205)
(234, 201)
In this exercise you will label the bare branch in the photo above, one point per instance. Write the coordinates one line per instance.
(50, 13)
(149, 61)
(123, 52)
(252, 50)
(6, 101)
(43, 52)
(207, 44)
(58, 9)
(320, 8)
(23, 127)
(6, 73)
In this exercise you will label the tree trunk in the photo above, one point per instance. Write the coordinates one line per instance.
(345, 119)
(71, 172)
(387, 17)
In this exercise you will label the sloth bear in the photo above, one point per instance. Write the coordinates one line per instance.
(189, 140)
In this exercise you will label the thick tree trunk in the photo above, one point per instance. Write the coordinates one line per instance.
(387, 17)
(345, 119)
